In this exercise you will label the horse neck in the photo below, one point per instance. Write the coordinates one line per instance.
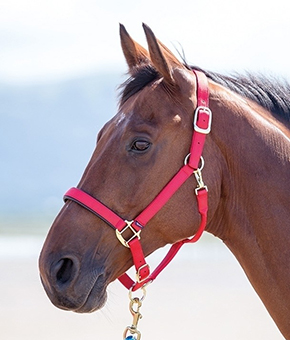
(253, 216)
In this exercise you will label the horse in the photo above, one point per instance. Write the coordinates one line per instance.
(245, 161)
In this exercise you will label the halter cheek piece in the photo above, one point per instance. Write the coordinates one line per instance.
(202, 126)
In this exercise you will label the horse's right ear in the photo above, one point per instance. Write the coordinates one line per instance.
(134, 53)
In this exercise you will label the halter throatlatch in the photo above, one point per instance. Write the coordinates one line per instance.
(201, 125)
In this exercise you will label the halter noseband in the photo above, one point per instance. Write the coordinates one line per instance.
(202, 126)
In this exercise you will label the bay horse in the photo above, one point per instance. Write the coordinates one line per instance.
(246, 170)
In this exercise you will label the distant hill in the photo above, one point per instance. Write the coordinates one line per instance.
(48, 132)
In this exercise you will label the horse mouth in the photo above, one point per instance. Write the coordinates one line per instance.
(85, 295)
(95, 299)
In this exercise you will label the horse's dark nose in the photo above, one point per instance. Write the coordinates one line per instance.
(58, 273)
(65, 271)
(59, 276)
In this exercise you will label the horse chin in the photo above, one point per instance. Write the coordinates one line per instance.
(92, 297)
(94, 301)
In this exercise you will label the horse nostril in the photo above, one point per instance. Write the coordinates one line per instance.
(65, 270)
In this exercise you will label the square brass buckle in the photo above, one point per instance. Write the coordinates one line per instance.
(128, 226)
(139, 278)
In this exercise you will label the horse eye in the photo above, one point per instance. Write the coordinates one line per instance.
(140, 145)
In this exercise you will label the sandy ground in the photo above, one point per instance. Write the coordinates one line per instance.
(202, 295)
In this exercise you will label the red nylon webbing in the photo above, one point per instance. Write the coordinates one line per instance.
(94, 206)
(165, 194)
(202, 205)
(202, 119)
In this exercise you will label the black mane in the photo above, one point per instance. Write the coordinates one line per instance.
(143, 76)
(269, 92)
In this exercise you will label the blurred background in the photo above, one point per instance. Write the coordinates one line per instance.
(60, 66)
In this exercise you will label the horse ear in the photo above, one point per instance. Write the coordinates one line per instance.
(162, 58)
(134, 53)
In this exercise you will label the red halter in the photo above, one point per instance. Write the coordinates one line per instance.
(202, 126)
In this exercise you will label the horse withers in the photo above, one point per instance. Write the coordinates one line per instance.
(142, 148)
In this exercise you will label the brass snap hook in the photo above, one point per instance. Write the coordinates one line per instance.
(134, 307)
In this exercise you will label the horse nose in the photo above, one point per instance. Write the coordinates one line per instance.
(64, 271)
(59, 276)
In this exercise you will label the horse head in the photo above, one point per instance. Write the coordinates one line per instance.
(137, 153)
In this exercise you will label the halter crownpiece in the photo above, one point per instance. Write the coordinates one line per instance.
(202, 125)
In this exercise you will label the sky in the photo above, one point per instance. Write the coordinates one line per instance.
(56, 39)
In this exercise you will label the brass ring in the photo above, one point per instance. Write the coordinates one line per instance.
(142, 297)
(186, 159)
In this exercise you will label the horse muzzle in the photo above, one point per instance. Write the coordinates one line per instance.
(69, 290)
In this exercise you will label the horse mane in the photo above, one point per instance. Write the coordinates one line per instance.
(143, 76)
(271, 93)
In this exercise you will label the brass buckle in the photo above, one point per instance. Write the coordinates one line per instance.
(138, 275)
(128, 226)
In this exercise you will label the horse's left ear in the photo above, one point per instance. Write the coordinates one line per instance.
(162, 58)
(134, 53)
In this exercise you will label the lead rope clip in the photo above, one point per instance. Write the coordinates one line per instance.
(199, 179)
(134, 307)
